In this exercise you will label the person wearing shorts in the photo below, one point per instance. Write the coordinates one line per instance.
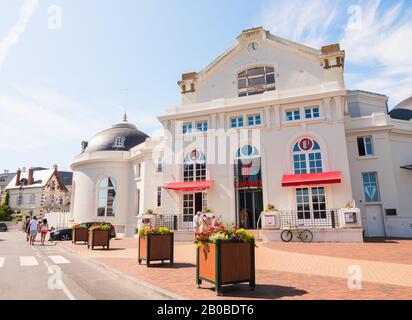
(33, 225)
(44, 228)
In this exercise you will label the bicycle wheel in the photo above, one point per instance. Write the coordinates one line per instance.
(286, 236)
(306, 236)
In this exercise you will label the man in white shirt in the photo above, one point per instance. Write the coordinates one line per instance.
(33, 226)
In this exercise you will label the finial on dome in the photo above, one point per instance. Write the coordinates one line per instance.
(125, 106)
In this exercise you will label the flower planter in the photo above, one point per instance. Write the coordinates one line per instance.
(156, 247)
(98, 238)
(226, 262)
(80, 234)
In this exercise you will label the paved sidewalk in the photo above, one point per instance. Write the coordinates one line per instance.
(283, 272)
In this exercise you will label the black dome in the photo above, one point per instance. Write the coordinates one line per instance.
(106, 139)
(403, 110)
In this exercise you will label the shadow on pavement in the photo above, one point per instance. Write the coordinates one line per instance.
(166, 265)
(262, 291)
(384, 240)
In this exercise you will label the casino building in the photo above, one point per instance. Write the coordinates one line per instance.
(269, 121)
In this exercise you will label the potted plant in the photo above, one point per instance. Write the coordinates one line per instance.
(155, 245)
(225, 256)
(99, 236)
(79, 233)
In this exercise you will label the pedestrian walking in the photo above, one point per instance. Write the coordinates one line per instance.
(44, 228)
(27, 229)
(33, 225)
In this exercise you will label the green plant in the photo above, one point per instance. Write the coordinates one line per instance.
(100, 227)
(269, 208)
(150, 211)
(158, 231)
(79, 226)
(207, 210)
(219, 232)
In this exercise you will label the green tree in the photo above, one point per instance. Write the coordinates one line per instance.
(5, 211)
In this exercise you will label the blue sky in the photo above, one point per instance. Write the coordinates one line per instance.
(61, 86)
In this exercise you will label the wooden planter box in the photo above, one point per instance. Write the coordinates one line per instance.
(80, 234)
(226, 262)
(156, 248)
(98, 238)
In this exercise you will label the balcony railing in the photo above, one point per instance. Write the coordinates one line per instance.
(310, 219)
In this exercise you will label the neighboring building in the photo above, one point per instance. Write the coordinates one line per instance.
(37, 191)
(268, 122)
(5, 178)
(380, 160)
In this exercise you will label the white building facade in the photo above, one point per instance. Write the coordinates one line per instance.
(268, 122)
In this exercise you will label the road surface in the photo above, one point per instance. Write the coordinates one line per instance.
(50, 272)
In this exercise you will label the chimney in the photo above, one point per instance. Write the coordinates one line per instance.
(30, 179)
(18, 177)
(55, 167)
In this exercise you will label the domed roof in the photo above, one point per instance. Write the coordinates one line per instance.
(403, 110)
(120, 137)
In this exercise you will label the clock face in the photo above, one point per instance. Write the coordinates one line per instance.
(253, 46)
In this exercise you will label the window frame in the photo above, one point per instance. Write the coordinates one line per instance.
(364, 144)
(187, 128)
(376, 182)
(204, 125)
(312, 112)
(249, 75)
(256, 119)
(239, 120)
(194, 170)
(308, 211)
(107, 188)
(159, 197)
(295, 113)
(302, 162)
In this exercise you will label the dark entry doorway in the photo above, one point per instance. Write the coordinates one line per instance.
(250, 206)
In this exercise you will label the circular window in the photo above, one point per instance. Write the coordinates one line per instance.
(194, 155)
(306, 144)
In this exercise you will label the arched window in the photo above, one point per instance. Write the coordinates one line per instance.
(307, 157)
(107, 198)
(255, 81)
(247, 168)
(194, 166)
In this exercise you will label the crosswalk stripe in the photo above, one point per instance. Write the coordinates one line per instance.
(28, 261)
(1, 262)
(59, 259)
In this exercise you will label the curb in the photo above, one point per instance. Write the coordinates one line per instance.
(162, 293)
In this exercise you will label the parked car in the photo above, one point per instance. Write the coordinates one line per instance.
(65, 234)
(3, 227)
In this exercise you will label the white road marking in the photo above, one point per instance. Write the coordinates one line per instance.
(28, 261)
(61, 283)
(1, 262)
(59, 259)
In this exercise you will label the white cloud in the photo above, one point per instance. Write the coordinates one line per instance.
(303, 21)
(13, 36)
(382, 44)
(380, 49)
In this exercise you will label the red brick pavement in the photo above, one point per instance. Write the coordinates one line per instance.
(395, 251)
(180, 279)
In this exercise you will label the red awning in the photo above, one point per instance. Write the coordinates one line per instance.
(293, 180)
(189, 186)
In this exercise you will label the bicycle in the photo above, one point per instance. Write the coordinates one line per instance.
(303, 234)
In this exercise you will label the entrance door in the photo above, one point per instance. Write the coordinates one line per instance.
(249, 208)
(374, 221)
(192, 203)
